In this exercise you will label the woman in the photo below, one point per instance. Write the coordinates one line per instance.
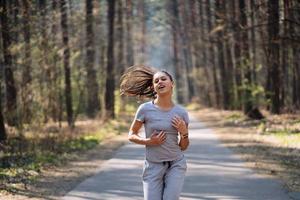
(165, 165)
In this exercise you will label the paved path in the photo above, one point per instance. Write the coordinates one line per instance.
(214, 173)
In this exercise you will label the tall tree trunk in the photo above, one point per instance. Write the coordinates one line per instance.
(57, 93)
(110, 75)
(120, 47)
(212, 55)
(120, 40)
(237, 54)
(202, 44)
(180, 71)
(66, 61)
(186, 48)
(273, 32)
(246, 59)
(253, 40)
(26, 78)
(142, 17)
(228, 55)
(294, 31)
(11, 92)
(92, 85)
(129, 42)
(3, 135)
(284, 47)
(220, 47)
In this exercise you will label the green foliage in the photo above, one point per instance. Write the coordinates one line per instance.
(256, 92)
(234, 116)
(83, 143)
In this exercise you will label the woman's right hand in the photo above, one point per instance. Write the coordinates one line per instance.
(157, 138)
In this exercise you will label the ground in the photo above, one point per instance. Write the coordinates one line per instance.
(264, 153)
(55, 181)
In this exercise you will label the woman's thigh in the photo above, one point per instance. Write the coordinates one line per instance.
(174, 179)
(153, 183)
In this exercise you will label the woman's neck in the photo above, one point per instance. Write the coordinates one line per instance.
(164, 101)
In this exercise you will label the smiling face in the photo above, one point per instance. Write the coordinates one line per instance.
(162, 83)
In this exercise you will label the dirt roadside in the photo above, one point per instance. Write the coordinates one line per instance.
(54, 182)
(262, 153)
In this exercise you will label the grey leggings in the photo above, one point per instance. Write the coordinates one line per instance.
(163, 180)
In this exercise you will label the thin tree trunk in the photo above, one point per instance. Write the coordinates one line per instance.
(237, 55)
(294, 31)
(92, 85)
(110, 77)
(245, 58)
(142, 17)
(120, 40)
(66, 61)
(220, 48)
(129, 42)
(3, 135)
(120, 47)
(26, 77)
(273, 31)
(212, 55)
(203, 47)
(11, 92)
(186, 48)
(228, 55)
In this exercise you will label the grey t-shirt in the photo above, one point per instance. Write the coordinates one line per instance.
(155, 119)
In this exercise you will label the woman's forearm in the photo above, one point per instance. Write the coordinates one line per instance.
(184, 143)
(138, 140)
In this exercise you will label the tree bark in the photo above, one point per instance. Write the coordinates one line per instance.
(247, 99)
(273, 32)
(110, 77)
(26, 78)
(220, 49)
(211, 59)
(66, 62)
(129, 42)
(11, 91)
(3, 135)
(93, 102)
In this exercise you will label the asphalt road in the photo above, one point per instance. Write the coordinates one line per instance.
(214, 173)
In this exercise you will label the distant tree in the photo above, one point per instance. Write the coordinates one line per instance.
(110, 73)
(129, 42)
(26, 91)
(11, 91)
(66, 62)
(273, 61)
(3, 135)
(92, 85)
(220, 23)
(211, 53)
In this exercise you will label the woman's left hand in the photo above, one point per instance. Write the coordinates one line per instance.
(179, 124)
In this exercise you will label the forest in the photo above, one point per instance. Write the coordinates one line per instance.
(61, 61)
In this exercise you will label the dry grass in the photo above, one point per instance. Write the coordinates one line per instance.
(271, 146)
(48, 161)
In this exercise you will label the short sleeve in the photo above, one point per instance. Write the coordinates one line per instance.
(140, 113)
(186, 117)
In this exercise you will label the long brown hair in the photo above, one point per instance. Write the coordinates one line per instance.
(137, 81)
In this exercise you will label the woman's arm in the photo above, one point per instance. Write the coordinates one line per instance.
(155, 139)
(184, 141)
(182, 128)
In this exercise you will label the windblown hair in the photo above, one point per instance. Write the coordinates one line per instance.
(138, 81)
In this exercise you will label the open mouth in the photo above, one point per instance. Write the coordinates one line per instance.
(161, 87)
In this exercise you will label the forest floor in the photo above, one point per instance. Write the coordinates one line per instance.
(270, 146)
(55, 181)
(74, 156)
